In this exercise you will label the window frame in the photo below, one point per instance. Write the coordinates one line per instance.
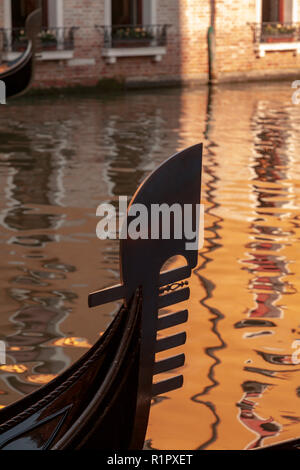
(151, 12)
(262, 48)
(111, 55)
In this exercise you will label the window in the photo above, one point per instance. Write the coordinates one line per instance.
(276, 27)
(272, 11)
(127, 12)
(130, 30)
(277, 11)
(277, 21)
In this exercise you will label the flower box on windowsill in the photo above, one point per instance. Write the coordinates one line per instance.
(49, 45)
(280, 39)
(131, 42)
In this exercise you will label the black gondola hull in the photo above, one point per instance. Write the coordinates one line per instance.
(77, 410)
(18, 80)
(18, 75)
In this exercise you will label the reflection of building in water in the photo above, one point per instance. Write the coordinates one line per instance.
(189, 418)
(28, 230)
(270, 267)
(269, 169)
(224, 366)
(261, 427)
(39, 275)
(213, 243)
(130, 147)
(54, 175)
(226, 357)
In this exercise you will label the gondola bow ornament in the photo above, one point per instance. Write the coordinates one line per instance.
(103, 400)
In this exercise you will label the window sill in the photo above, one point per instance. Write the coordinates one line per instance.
(112, 54)
(277, 46)
(45, 55)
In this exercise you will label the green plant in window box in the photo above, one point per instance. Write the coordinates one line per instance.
(279, 32)
(47, 37)
(131, 36)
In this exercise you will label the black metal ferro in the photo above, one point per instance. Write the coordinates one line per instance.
(177, 181)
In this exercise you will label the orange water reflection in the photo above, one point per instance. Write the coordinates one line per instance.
(75, 342)
(41, 378)
(242, 378)
(241, 384)
(15, 368)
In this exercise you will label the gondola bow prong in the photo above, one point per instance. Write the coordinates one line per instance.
(176, 182)
(117, 292)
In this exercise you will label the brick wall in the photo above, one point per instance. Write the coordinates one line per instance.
(236, 55)
(170, 68)
(186, 58)
(187, 55)
(194, 22)
(83, 14)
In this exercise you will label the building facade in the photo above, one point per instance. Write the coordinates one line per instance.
(142, 42)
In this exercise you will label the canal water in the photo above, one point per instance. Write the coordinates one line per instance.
(60, 158)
